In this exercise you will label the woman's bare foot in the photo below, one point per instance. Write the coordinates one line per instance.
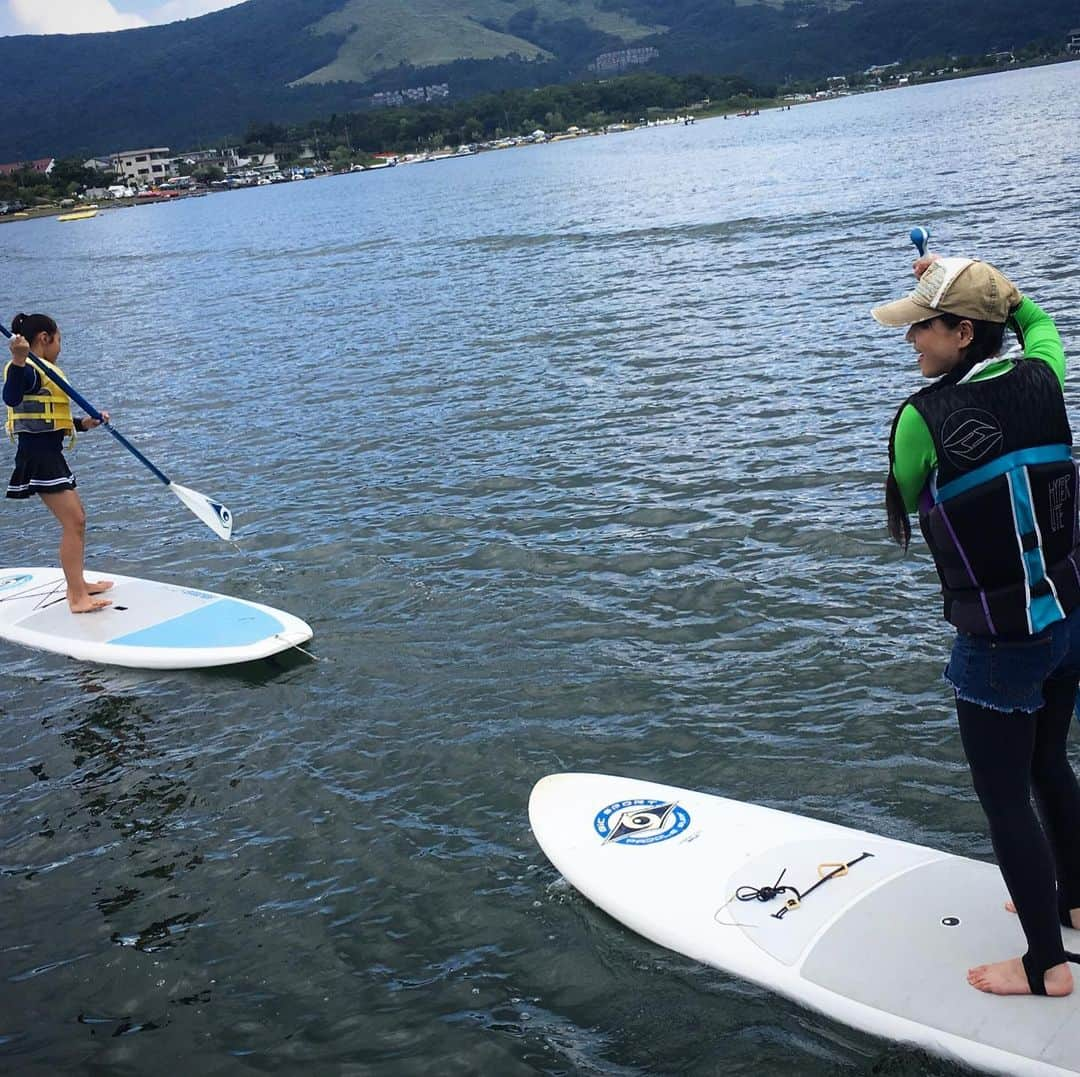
(1074, 914)
(87, 603)
(1009, 978)
(97, 588)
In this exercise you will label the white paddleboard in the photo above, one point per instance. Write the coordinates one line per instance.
(148, 626)
(884, 947)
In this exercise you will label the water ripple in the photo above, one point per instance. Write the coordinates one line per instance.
(572, 456)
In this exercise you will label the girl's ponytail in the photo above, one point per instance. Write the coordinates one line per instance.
(29, 325)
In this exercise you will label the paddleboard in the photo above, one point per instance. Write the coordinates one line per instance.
(148, 626)
(882, 943)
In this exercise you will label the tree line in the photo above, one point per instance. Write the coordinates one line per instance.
(491, 116)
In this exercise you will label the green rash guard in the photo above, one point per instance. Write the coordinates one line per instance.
(914, 457)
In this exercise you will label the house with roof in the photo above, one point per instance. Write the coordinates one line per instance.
(43, 165)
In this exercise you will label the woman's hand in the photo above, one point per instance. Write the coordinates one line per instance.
(921, 265)
(20, 349)
(89, 424)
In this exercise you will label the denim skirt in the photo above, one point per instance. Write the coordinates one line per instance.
(1008, 675)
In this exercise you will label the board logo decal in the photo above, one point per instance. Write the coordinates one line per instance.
(641, 821)
(13, 581)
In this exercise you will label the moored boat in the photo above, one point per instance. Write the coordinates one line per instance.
(79, 214)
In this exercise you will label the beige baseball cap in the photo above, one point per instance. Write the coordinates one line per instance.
(965, 287)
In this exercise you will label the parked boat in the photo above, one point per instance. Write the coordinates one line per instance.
(79, 214)
(155, 194)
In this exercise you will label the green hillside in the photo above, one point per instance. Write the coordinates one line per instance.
(380, 34)
(287, 61)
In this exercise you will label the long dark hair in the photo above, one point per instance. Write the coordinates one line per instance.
(986, 341)
(29, 325)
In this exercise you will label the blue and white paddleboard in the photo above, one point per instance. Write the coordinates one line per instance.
(148, 626)
(883, 944)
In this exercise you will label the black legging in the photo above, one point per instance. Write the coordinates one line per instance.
(1012, 755)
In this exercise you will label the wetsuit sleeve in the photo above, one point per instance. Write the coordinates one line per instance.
(914, 457)
(18, 382)
(1039, 337)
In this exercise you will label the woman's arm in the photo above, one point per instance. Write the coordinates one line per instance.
(1039, 336)
(914, 456)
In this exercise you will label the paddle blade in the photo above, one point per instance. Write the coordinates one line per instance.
(212, 513)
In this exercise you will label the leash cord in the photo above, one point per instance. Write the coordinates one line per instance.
(767, 893)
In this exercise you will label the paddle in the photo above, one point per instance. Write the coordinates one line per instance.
(921, 238)
(212, 513)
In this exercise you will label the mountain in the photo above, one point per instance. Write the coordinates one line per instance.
(379, 34)
(207, 78)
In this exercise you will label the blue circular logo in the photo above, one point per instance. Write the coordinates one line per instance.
(641, 821)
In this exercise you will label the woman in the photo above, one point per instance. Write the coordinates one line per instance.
(39, 415)
(984, 455)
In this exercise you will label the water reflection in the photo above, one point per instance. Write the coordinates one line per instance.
(124, 785)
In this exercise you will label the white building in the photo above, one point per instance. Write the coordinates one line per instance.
(144, 166)
(226, 158)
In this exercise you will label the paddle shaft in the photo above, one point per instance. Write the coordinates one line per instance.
(93, 412)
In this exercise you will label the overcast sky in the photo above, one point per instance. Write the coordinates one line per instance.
(90, 16)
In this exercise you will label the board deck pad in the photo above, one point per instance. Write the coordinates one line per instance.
(789, 943)
(149, 625)
(943, 907)
(883, 946)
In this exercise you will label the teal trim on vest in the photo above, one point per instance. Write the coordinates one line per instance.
(1043, 610)
(1041, 454)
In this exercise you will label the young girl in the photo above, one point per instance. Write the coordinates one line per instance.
(39, 415)
(985, 456)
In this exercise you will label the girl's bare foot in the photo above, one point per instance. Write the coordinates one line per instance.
(1074, 914)
(97, 588)
(87, 603)
(1009, 978)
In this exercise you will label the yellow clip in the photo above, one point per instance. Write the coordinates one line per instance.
(791, 903)
(838, 871)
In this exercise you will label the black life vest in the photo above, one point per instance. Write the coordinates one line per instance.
(1000, 512)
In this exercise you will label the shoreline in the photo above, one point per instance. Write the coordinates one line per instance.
(686, 116)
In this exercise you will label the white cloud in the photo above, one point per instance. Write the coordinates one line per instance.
(70, 16)
(97, 16)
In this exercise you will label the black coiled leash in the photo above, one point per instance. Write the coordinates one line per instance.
(767, 893)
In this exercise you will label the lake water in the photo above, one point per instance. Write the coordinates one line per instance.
(572, 457)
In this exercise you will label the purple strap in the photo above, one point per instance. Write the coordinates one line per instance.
(967, 565)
